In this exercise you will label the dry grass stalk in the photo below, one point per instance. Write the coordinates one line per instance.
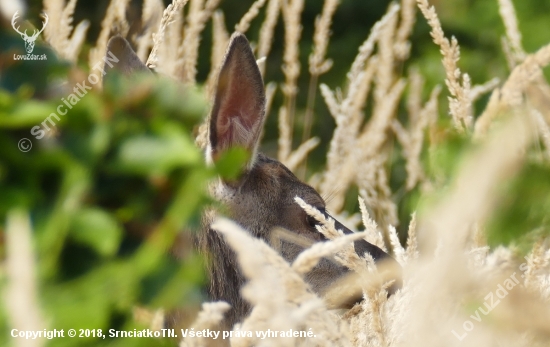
(167, 19)
(327, 224)
(511, 93)
(412, 140)
(374, 303)
(374, 188)
(508, 54)
(299, 155)
(412, 242)
(371, 320)
(286, 302)
(371, 175)
(270, 90)
(155, 320)
(348, 117)
(266, 31)
(150, 18)
(9, 7)
(538, 262)
(543, 131)
(54, 10)
(373, 234)
(21, 291)
(472, 197)
(292, 11)
(524, 74)
(172, 40)
(348, 145)
(59, 31)
(186, 67)
(385, 70)
(311, 256)
(478, 90)
(285, 135)
(345, 255)
(209, 318)
(220, 38)
(249, 16)
(460, 105)
(402, 46)
(113, 22)
(414, 98)
(513, 35)
(318, 65)
(398, 250)
(366, 49)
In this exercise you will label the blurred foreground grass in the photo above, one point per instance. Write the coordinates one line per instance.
(106, 190)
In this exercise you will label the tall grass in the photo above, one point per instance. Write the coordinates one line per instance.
(479, 180)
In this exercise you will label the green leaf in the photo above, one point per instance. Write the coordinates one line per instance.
(28, 113)
(521, 215)
(232, 162)
(154, 155)
(97, 229)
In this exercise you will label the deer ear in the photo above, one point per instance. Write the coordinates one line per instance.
(239, 104)
(128, 62)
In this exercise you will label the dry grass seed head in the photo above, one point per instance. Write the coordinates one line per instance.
(209, 317)
(460, 103)
(371, 228)
(113, 22)
(249, 16)
(188, 54)
(59, 32)
(317, 63)
(281, 299)
(402, 46)
(21, 292)
(510, 95)
(513, 35)
(412, 242)
(292, 11)
(151, 17)
(168, 18)
(220, 38)
(266, 31)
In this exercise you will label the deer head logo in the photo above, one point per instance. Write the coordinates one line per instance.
(29, 40)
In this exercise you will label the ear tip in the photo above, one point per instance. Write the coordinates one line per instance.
(238, 38)
(117, 43)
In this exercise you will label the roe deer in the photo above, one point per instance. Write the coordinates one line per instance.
(262, 198)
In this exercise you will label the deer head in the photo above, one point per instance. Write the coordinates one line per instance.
(262, 199)
(29, 40)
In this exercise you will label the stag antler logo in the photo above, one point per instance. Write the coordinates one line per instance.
(29, 40)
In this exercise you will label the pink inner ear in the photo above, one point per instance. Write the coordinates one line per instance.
(239, 114)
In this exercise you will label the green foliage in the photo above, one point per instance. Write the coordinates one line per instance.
(231, 163)
(521, 216)
(107, 189)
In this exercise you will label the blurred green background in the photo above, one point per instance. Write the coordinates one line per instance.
(475, 23)
(108, 196)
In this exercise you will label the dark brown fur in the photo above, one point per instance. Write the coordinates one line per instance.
(262, 199)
